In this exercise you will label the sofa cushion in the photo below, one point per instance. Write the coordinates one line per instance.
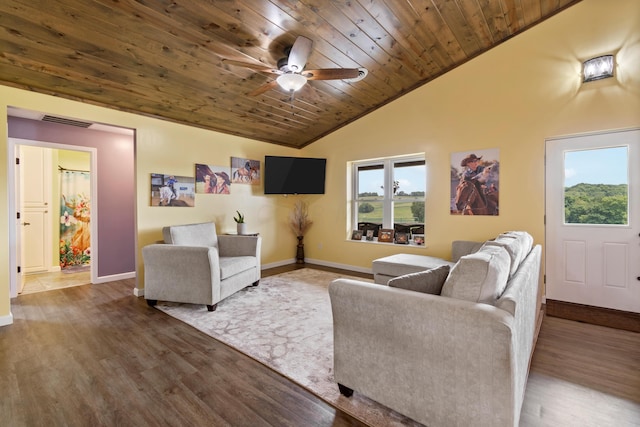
(428, 281)
(203, 234)
(401, 264)
(230, 266)
(517, 244)
(479, 277)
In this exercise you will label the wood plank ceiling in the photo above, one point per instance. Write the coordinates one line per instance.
(164, 58)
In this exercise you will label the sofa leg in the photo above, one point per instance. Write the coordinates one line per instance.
(345, 391)
(256, 283)
(212, 307)
(152, 302)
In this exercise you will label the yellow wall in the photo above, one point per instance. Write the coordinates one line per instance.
(163, 147)
(510, 98)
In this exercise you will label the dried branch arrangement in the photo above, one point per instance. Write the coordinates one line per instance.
(299, 218)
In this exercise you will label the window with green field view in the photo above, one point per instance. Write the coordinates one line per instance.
(596, 188)
(389, 193)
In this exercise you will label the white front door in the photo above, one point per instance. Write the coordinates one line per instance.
(593, 220)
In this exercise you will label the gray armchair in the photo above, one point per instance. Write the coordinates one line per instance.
(195, 265)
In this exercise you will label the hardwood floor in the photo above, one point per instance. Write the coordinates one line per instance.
(97, 355)
(42, 282)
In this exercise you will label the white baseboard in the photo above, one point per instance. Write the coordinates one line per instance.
(318, 262)
(114, 277)
(6, 320)
(55, 269)
(338, 265)
(278, 264)
(138, 292)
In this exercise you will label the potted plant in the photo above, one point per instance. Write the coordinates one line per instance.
(241, 225)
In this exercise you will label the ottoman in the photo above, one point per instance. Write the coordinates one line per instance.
(397, 265)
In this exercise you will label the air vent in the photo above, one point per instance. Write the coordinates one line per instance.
(63, 121)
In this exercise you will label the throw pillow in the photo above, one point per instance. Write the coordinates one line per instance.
(479, 277)
(428, 281)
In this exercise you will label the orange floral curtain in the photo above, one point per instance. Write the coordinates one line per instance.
(75, 216)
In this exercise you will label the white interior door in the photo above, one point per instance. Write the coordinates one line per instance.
(593, 220)
(35, 208)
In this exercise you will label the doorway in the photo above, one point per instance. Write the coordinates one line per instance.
(43, 275)
(593, 220)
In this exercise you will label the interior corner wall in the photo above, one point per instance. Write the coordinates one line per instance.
(116, 186)
(512, 98)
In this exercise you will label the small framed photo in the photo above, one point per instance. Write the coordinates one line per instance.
(402, 238)
(369, 236)
(356, 235)
(385, 235)
(418, 239)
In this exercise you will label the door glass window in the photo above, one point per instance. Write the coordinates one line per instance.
(596, 187)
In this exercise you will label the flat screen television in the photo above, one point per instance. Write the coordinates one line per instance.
(294, 175)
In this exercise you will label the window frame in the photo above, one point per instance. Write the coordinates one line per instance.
(389, 198)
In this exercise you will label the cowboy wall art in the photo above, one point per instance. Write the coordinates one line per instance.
(212, 179)
(475, 182)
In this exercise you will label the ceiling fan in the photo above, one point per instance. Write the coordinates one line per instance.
(291, 73)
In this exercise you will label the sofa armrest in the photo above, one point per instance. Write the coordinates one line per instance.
(441, 361)
(188, 274)
(233, 245)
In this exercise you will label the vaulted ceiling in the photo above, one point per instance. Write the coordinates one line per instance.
(166, 58)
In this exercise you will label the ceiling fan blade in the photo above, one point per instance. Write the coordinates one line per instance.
(264, 88)
(251, 66)
(299, 54)
(332, 74)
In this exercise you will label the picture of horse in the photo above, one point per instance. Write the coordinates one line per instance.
(212, 179)
(245, 171)
(172, 190)
(475, 182)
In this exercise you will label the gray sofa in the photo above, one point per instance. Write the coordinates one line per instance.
(197, 266)
(454, 354)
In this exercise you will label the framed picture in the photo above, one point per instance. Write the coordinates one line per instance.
(356, 235)
(402, 238)
(212, 179)
(172, 190)
(369, 236)
(475, 182)
(245, 171)
(385, 235)
(418, 239)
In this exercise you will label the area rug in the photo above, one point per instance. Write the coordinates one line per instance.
(286, 324)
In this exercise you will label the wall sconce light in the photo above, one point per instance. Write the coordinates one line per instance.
(597, 68)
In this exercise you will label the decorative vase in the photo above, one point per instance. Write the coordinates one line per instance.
(242, 228)
(300, 252)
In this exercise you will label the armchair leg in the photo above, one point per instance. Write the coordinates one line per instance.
(345, 391)
(212, 307)
(256, 283)
(152, 302)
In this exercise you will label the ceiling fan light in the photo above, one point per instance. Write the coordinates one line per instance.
(291, 82)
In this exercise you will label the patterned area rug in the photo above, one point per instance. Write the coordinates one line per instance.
(286, 324)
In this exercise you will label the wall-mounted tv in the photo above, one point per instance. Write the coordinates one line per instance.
(294, 175)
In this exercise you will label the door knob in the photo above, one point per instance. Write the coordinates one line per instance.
(26, 223)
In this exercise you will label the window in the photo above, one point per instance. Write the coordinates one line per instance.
(389, 193)
(596, 186)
